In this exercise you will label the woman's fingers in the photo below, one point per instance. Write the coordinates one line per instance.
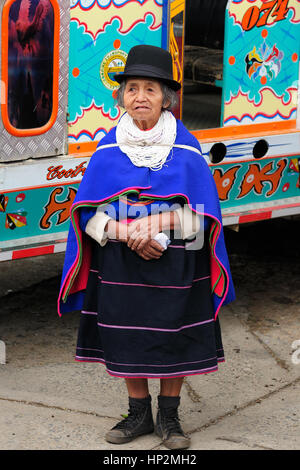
(139, 243)
(146, 225)
(138, 239)
(151, 250)
(133, 236)
(142, 255)
(156, 246)
(141, 233)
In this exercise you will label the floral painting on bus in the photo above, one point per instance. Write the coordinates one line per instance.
(261, 61)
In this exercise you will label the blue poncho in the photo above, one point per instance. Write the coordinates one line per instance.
(110, 174)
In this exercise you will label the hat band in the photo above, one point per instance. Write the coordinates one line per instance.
(149, 69)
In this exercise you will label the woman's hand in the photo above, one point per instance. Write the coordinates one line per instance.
(142, 230)
(118, 231)
(151, 250)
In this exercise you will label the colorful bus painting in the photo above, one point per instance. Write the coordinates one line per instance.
(238, 62)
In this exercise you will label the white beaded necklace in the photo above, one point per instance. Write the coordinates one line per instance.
(147, 148)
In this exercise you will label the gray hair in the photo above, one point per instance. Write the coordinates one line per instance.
(169, 96)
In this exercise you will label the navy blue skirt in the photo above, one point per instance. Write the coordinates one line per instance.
(150, 319)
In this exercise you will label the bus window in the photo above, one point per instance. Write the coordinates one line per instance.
(203, 63)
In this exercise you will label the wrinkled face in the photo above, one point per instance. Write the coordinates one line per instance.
(143, 100)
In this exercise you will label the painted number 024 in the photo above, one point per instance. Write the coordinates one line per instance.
(254, 16)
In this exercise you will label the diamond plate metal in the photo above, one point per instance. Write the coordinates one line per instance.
(52, 142)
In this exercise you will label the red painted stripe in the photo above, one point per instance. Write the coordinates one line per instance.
(255, 217)
(27, 253)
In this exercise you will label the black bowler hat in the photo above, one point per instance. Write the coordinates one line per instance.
(149, 62)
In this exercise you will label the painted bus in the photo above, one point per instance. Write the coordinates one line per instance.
(237, 60)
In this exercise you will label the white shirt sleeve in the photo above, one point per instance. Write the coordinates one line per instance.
(95, 227)
(189, 221)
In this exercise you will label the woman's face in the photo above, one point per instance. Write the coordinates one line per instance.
(143, 100)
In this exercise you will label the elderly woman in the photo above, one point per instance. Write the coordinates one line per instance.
(146, 261)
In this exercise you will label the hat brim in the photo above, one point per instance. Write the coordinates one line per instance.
(120, 77)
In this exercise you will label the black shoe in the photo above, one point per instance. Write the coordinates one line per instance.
(138, 422)
(167, 423)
